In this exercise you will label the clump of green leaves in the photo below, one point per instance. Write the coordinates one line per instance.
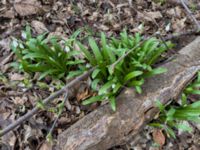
(170, 117)
(45, 55)
(122, 62)
(126, 61)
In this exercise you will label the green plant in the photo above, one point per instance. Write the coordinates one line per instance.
(193, 7)
(118, 63)
(170, 117)
(46, 55)
(126, 61)
(160, 1)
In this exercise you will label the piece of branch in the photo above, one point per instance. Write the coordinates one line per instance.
(177, 2)
(103, 128)
(58, 116)
(177, 35)
(45, 101)
(190, 14)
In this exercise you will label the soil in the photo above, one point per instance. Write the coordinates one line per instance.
(19, 93)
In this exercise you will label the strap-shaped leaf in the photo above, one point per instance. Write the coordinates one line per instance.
(93, 100)
(96, 51)
(95, 72)
(132, 75)
(87, 54)
(154, 72)
(112, 101)
(105, 87)
(107, 51)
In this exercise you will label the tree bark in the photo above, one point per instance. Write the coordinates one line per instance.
(103, 128)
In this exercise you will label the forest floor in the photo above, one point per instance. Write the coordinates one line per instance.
(19, 92)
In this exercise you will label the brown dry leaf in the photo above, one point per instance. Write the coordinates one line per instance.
(8, 140)
(16, 77)
(8, 14)
(103, 27)
(39, 27)
(80, 55)
(20, 100)
(5, 44)
(149, 16)
(31, 133)
(46, 146)
(159, 137)
(83, 95)
(175, 12)
(179, 25)
(6, 59)
(27, 7)
(58, 33)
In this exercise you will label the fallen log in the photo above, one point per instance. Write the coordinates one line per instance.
(103, 128)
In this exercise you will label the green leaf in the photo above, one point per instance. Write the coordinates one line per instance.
(116, 87)
(49, 137)
(170, 114)
(112, 101)
(96, 51)
(138, 89)
(95, 73)
(154, 72)
(160, 105)
(93, 100)
(45, 73)
(170, 132)
(158, 125)
(183, 99)
(73, 74)
(87, 54)
(136, 83)
(105, 87)
(28, 32)
(132, 75)
(34, 56)
(184, 127)
(75, 62)
(95, 84)
(40, 105)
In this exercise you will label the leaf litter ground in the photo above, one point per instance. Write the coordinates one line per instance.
(62, 18)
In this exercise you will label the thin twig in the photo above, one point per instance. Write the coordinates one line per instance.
(47, 100)
(177, 2)
(176, 35)
(190, 14)
(59, 113)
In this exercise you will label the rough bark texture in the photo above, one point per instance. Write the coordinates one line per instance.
(103, 128)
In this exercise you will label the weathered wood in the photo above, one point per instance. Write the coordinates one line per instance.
(103, 128)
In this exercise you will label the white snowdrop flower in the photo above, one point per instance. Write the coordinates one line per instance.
(113, 86)
(88, 65)
(15, 43)
(67, 49)
(21, 45)
(24, 35)
(141, 27)
(167, 28)
(158, 32)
